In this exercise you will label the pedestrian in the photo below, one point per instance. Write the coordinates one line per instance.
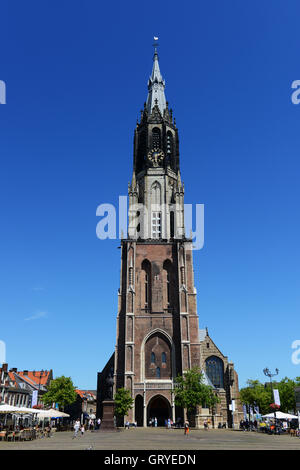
(205, 423)
(155, 422)
(48, 430)
(169, 423)
(76, 427)
(98, 423)
(82, 429)
(186, 428)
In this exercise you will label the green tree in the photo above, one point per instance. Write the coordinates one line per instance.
(286, 388)
(61, 391)
(190, 391)
(260, 395)
(123, 402)
(256, 394)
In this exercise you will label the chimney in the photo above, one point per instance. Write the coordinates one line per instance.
(4, 367)
(25, 372)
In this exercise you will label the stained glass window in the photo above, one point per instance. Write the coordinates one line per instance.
(215, 371)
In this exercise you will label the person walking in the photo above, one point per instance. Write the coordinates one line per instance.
(155, 422)
(76, 428)
(82, 430)
(186, 428)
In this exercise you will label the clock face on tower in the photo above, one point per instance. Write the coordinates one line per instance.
(156, 157)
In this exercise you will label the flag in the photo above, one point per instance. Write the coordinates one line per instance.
(276, 397)
(34, 399)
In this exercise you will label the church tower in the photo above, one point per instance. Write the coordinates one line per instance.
(157, 324)
(158, 334)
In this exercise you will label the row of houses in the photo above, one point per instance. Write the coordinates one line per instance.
(26, 388)
(23, 388)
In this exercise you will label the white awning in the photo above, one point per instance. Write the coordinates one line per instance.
(5, 409)
(52, 413)
(280, 415)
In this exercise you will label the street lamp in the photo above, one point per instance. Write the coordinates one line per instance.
(269, 374)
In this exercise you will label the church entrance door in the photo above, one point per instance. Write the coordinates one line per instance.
(159, 408)
(139, 408)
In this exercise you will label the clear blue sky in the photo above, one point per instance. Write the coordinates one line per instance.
(76, 76)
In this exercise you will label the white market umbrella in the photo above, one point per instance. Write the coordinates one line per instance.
(280, 415)
(52, 414)
(29, 410)
(5, 409)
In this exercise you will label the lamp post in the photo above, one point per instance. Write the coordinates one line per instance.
(269, 374)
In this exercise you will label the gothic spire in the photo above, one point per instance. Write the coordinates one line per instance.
(156, 86)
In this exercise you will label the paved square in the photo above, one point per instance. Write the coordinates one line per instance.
(159, 439)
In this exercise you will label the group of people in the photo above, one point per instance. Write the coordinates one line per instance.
(246, 425)
(78, 426)
(153, 422)
(127, 424)
(168, 423)
(206, 424)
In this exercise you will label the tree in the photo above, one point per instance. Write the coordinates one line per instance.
(61, 391)
(123, 402)
(256, 394)
(286, 388)
(190, 391)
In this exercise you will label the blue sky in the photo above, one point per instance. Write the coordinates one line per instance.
(76, 76)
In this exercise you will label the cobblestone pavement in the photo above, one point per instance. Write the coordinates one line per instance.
(159, 439)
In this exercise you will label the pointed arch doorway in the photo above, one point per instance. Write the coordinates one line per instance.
(139, 410)
(159, 407)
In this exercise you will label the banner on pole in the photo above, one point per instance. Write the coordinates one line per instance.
(34, 400)
(276, 397)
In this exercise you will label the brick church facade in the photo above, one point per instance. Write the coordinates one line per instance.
(158, 334)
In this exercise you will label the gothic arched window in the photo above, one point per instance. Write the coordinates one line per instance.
(146, 288)
(169, 144)
(156, 140)
(172, 224)
(157, 357)
(215, 371)
(168, 302)
(142, 149)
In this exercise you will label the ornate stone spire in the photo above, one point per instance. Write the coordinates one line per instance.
(156, 87)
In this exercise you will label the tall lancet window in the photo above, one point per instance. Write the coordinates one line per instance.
(156, 224)
(168, 295)
(170, 148)
(156, 229)
(146, 286)
(156, 139)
